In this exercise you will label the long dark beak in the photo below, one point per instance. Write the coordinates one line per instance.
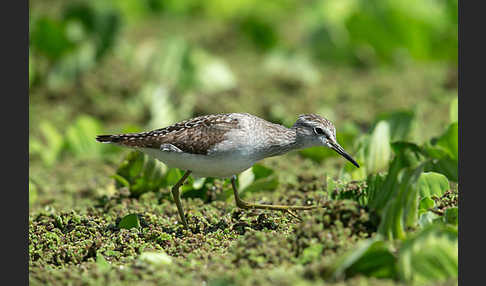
(336, 147)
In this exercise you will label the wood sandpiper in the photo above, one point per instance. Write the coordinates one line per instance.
(224, 145)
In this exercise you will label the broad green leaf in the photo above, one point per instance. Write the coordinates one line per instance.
(49, 37)
(453, 111)
(379, 148)
(408, 154)
(360, 156)
(451, 215)
(264, 179)
(446, 166)
(246, 178)
(172, 177)
(400, 123)
(401, 211)
(432, 184)
(375, 190)
(265, 184)
(120, 181)
(129, 221)
(384, 190)
(378, 261)
(449, 140)
(426, 204)
(261, 171)
(198, 183)
(142, 174)
(444, 151)
(80, 137)
(372, 257)
(429, 256)
(259, 30)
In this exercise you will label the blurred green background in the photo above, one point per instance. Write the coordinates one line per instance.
(382, 71)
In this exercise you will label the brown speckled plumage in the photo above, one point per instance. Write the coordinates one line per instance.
(195, 136)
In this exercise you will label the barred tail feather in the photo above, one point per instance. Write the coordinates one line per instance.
(108, 138)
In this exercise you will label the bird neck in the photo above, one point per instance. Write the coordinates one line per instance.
(281, 141)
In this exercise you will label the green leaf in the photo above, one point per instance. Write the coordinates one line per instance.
(142, 174)
(444, 152)
(264, 180)
(372, 257)
(408, 154)
(172, 176)
(379, 148)
(80, 137)
(384, 190)
(400, 123)
(426, 204)
(246, 178)
(453, 110)
(266, 184)
(376, 192)
(432, 184)
(429, 256)
(261, 171)
(401, 211)
(49, 37)
(362, 147)
(260, 31)
(129, 221)
(451, 215)
(449, 140)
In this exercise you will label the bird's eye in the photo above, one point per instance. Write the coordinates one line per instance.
(319, 131)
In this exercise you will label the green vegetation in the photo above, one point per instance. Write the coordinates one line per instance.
(384, 72)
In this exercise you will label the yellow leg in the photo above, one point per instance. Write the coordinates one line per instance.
(177, 197)
(245, 205)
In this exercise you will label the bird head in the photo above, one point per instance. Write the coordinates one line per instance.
(314, 130)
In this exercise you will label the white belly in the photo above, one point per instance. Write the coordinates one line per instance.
(220, 166)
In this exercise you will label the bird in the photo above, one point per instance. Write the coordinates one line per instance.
(224, 145)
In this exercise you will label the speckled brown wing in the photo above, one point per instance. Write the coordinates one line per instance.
(195, 136)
